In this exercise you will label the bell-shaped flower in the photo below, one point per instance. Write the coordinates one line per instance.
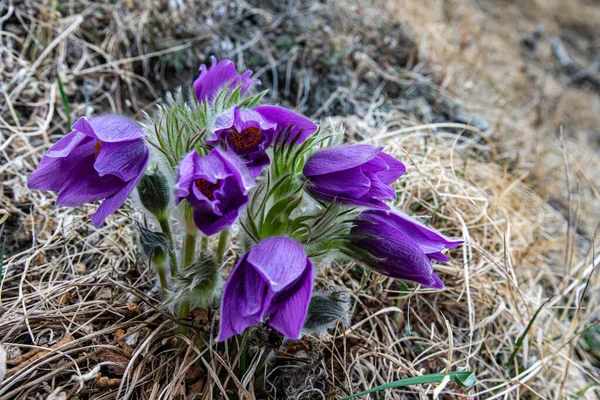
(358, 174)
(212, 80)
(245, 133)
(249, 132)
(399, 247)
(216, 186)
(275, 280)
(101, 159)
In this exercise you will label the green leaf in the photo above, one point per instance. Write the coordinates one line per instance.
(65, 100)
(463, 378)
(468, 382)
(521, 338)
(277, 219)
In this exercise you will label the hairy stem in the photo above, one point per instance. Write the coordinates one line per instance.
(162, 275)
(166, 229)
(189, 252)
(222, 246)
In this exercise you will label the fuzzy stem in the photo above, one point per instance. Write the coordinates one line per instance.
(222, 245)
(162, 276)
(166, 229)
(189, 251)
(184, 310)
(205, 243)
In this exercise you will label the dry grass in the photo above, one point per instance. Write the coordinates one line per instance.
(79, 313)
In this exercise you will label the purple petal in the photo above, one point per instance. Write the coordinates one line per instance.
(84, 185)
(438, 256)
(209, 223)
(56, 165)
(429, 240)
(432, 281)
(246, 118)
(367, 202)
(246, 81)
(337, 183)
(66, 145)
(210, 81)
(238, 170)
(112, 203)
(254, 289)
(127, 160)
(380, 190)
(286, 119)
(399, 256)
(186, 176)
(394, 171)
(279, 260)
(340, 158)
(232, 321)
(109, 128)
(291, 314)
(225, 120)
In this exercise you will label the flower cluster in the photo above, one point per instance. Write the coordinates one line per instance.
(288, 193)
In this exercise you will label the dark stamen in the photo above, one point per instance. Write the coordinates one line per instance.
(207, 188)
(246, 141)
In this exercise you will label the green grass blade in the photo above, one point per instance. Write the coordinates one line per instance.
(463, 378)
(521, 338)
(64, 99)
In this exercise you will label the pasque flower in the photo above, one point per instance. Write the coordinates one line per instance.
(274, 279)
(220, 74)
(249, 132)
(400, 247)
(102, 158)
(357, 174)
(216, 187)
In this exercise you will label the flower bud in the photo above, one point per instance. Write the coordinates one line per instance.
(326, 310)
(154, 192)
(156, 245)
(197, 283)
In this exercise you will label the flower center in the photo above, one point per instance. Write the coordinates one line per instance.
(245, 141)
(97, 146)
(207, 188)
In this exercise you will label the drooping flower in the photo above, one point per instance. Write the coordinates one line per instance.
(215, 78)
(400, 247)
(275, 279)
(249, 132)
(102, 158)
(357, 174)
(216, 187)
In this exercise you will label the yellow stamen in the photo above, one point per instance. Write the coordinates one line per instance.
(97, 146)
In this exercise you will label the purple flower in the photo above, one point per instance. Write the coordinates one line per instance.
(357, 174)
(400, 247)
(102, 158)
(215, 78)
(245, 133)
(249, 132)
(275, 278)
(216, 187)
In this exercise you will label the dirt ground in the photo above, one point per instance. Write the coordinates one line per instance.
(500, 136)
